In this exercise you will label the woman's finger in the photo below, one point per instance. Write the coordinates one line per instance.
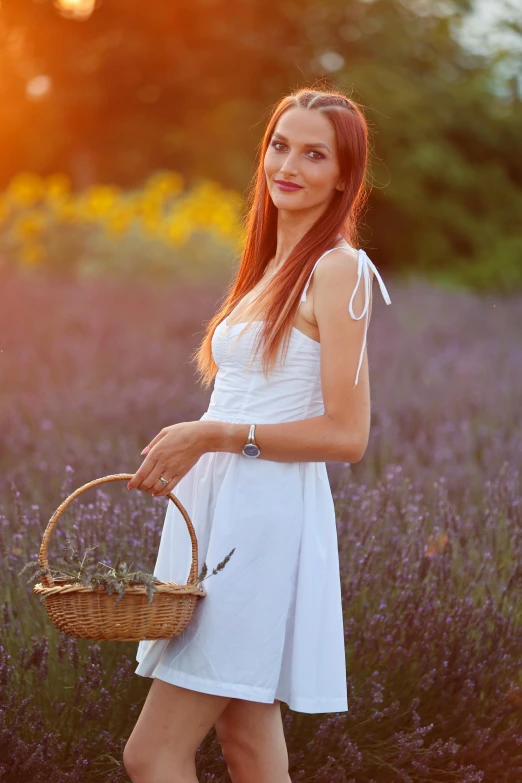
(146, 469)
(160, 489)
(153, 442)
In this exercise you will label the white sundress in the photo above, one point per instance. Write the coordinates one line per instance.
(271, 623)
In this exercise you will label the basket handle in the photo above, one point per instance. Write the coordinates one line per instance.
(47, 579)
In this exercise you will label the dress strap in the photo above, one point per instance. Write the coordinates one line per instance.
(303, 295)
(364, 264)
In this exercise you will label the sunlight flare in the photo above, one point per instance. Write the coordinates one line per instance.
(78, 9)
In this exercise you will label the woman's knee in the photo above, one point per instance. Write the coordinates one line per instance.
(134, 762)
(150, 767)
(252, 738)
(238, 748)
(171, 725)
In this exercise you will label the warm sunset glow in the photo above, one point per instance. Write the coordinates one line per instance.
(77, 9)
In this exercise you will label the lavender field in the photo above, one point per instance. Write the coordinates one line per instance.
(429, 527)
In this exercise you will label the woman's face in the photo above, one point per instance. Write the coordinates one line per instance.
(302, 151)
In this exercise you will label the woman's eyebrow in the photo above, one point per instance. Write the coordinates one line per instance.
(317, 144)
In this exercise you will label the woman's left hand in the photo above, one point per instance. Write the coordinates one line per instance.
(171, 454)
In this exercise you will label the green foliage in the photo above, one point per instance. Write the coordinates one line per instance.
(445, 124)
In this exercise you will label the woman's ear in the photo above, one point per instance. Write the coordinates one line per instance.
(340, 185)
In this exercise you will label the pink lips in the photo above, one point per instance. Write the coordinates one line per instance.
(287, 185)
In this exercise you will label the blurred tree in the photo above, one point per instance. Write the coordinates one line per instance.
(140, 86)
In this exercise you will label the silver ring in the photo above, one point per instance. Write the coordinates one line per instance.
(163, 481)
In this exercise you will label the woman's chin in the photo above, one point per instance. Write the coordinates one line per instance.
(289, 201)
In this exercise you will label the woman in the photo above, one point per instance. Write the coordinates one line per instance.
(291, 359)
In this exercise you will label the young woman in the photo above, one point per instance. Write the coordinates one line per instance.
(291, 392)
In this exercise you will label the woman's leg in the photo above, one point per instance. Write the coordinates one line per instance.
(253, 742)
(171, 726)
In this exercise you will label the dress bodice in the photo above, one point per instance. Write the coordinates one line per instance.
(292, 391)
(242, 392)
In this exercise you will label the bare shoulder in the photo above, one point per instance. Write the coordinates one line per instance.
(343, 259)
(337, 277)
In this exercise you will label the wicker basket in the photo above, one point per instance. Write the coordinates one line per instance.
(91, 613)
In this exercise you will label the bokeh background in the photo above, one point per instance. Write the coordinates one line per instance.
(129, 129)
(129, 133)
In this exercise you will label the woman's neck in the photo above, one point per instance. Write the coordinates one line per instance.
(274, 266)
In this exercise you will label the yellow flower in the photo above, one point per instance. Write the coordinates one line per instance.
(176, 232)
(66, 211)
(162, 208)
(118, 221)
(99, 200)
(28, 225)
(150, 223)
(226, 218)
(25, 189)
(208, 189)
(165, 182)
(57, 187)
(202, 213)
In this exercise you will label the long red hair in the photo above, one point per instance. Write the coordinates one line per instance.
(279, 301)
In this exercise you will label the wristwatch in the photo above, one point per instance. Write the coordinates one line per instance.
(251, 449)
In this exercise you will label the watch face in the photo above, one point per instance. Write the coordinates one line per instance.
(251, 450)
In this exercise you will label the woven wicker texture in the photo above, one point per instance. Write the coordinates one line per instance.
(89, 613)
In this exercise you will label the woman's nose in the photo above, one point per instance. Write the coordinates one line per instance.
(290, 165)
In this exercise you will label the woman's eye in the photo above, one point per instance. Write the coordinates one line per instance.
(276, 143)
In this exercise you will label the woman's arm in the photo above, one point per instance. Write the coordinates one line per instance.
(318, 439)
(341, 434)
